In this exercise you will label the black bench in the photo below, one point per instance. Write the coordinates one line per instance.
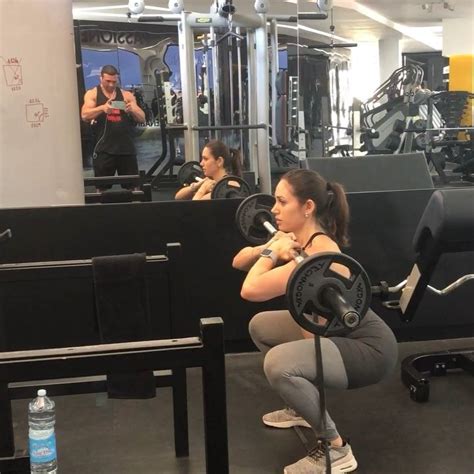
(139, 190)
(446, 226)
(206, 352)
(63, 291)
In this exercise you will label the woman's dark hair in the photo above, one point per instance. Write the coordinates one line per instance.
(231, 156)
(332, 209)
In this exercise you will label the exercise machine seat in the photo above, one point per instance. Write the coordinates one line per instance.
(447, 225)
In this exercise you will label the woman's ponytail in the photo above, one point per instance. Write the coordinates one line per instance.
(235, 162)
(336, 215)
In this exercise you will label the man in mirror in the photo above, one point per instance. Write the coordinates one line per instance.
(113, 112)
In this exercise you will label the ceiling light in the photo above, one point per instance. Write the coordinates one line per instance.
(428, 7)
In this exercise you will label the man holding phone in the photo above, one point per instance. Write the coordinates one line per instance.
(114, 111)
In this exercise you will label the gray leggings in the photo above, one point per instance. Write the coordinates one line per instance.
(290, 366)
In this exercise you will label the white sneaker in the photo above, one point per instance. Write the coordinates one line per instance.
(342, 461)
(286, 418)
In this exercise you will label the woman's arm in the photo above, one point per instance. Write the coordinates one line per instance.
(247, 257)
(205, 189)
(188, 192)
(263, 281)
(202, 196)
(185, 193)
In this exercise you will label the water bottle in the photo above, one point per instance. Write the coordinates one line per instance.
(42, 440)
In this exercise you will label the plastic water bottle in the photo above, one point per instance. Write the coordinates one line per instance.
(42, 440)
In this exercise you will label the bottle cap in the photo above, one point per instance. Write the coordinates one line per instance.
(41, 392)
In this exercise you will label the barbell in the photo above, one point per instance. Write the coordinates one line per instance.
(313, 289)
(189, 173)
(226, 188)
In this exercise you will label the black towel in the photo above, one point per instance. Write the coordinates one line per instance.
(123, 316)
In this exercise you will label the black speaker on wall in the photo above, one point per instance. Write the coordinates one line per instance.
(376, 172)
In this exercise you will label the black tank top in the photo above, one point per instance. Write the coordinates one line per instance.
(116, 137)
(310, 240)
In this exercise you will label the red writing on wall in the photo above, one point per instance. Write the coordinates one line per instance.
(13, 74)
(36, 112)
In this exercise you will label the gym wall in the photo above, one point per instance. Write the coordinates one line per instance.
(40, 158)
(382, 227)
(376, 172)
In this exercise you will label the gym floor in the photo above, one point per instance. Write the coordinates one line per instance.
(389, 432)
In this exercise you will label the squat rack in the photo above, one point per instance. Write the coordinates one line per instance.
(257, 28)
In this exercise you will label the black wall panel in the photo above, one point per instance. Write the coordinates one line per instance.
(382, 227)
(376, 172)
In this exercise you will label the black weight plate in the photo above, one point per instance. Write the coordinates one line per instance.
(419, 125)
(230, 187)
(421, 141)
(305, 286)
(250, 214)
(188, 172)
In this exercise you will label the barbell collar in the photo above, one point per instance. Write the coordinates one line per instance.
(298, 258)
(268, 225)
(332, 299)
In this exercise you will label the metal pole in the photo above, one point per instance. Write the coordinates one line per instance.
(206, 83)
(325, 122)
(293, 107)
(188, 87)
(261, 71)
(204, 20)
(300, 16)
(262, 126)
(231, 79)
(252, 101)
(239, 79)
(275, 69)
(302, 156)
(216, 80)
(356, 121)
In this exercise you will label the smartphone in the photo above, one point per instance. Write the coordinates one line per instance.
(117, 104)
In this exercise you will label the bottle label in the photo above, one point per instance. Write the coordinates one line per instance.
(43, 448)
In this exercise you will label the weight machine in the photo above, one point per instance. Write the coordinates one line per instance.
(239, 29)
(404, 118)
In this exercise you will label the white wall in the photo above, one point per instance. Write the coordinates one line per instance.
(365, 69)
(458, 36)
(390, 57)
(40, 148)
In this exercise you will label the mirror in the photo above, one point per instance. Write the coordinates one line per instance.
(325, 94)
(148, 58)
(148, 61)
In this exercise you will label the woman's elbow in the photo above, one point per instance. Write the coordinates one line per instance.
(248, 293)
(235, 263)
(245, 294)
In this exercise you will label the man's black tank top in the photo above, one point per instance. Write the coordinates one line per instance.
(116, 137)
